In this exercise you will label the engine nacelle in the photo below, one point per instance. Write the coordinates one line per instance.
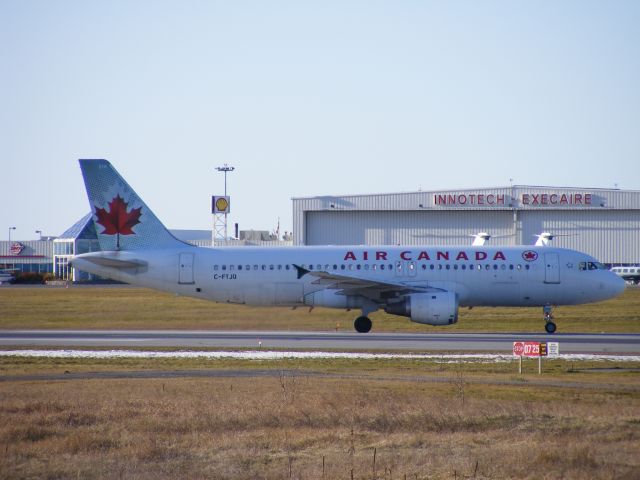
(437, 308)
(329, 298)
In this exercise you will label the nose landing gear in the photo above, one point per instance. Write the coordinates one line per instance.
(549, 326)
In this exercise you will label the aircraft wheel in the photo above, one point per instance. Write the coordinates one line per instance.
(550, 327)
(362, 324)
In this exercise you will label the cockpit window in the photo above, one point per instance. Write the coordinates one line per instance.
(591, 266)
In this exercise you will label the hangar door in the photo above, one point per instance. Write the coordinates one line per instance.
(186, 268)
(405, 227)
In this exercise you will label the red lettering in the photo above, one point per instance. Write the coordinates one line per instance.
(535, 199)
(462, 199)
(500, 199)
(577, 199)
(350, 256)
(480, 199)
(472, 197)
(365, 255)
(462, 256)
(405, 255)
(423, 256)
(442, 256)
(525, 199)
(451, 199)
(499, 256)
(545, 199)
(553, 199)
(381, 255)
(563, 199)
(481, 255)
(587, 199)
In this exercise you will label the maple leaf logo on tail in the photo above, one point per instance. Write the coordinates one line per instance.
(117, 221)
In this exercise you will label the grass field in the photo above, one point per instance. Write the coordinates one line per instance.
(135, 308)
(311, 419)
(383, 420)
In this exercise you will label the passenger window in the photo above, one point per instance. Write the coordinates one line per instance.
(448, 267)
(264, 267)
(526, 267)
(366, 266)
(279, 267)
(519, 267)
(455, 267)
(224, 267)
(286, 266)
(582, 266)
(215, 267)
(342, 267)
(232, 268)
(335, 267)
(382, 267)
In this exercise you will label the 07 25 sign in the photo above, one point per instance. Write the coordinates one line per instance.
(529, 349)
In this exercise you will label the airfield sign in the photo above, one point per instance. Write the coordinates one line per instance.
(534, 349)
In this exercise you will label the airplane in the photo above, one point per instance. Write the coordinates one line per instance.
(629, 274)
(427, 284)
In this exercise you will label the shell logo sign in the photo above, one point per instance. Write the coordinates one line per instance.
(220, 204)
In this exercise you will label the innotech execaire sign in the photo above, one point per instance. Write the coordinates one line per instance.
(525, 200)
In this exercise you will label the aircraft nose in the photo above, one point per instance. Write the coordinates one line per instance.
(618, 285)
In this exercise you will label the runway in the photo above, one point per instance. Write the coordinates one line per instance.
(416, 342)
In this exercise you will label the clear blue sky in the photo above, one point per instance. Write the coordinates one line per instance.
(310, 98)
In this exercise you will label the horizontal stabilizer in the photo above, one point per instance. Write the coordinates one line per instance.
(108, 260)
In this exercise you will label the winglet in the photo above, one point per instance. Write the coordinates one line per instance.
(301, 271)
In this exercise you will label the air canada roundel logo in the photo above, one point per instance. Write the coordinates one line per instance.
(530, 256)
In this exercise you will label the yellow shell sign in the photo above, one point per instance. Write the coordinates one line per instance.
(220, 204)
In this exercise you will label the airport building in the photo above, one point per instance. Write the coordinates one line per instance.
(604, 223)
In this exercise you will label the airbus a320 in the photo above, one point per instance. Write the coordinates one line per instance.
(427, 284)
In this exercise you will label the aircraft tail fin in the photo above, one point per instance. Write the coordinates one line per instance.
(122, 220)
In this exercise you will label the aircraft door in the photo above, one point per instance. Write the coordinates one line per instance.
(551, 268)
(406, 269)
(412, 269)
(185, 265)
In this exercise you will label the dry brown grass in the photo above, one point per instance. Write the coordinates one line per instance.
(284, 427)
(137, 308)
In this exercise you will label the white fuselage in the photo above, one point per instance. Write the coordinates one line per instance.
(479, 276)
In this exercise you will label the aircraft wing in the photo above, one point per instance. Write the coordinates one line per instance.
(371, 289)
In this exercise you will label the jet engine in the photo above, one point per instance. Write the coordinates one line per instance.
(435, 308)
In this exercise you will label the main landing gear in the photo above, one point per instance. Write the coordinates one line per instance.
(362, 324)
(549, 326)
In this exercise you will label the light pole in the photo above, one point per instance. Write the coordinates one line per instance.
(11, 228)
(226, 169)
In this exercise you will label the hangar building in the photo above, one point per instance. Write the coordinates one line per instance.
(604, 223)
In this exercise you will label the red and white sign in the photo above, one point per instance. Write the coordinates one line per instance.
(17, 248)
(529, 349)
